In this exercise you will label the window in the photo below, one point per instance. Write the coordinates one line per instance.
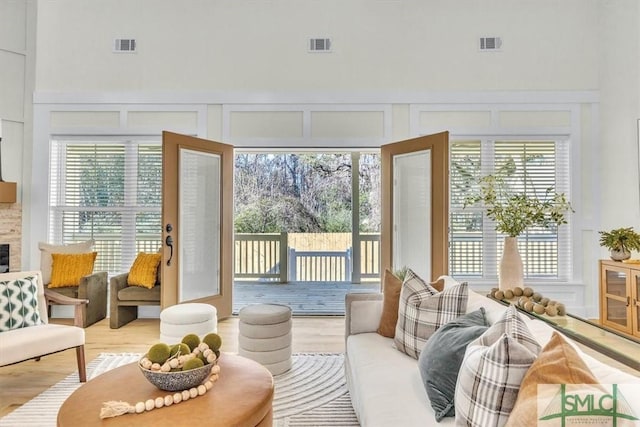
(530, 166)
(110, 191)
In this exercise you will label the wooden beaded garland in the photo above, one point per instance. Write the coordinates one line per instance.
(117, 408)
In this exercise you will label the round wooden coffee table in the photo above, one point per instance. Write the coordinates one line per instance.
(242, 396)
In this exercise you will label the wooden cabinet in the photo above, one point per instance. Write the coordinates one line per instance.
(620, 296)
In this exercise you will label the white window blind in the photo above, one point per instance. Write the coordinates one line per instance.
(528, 166)
(109, 191)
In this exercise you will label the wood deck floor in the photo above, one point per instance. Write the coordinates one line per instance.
(304, 298)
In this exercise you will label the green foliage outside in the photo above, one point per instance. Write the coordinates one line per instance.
(304, 193)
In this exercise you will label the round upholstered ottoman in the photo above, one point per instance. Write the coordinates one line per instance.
(265, 336)
(190, 318)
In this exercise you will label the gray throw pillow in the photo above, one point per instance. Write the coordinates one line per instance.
(442, 356)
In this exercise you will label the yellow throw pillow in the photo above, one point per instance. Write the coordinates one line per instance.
(68, 269)
(46, 249)
(144, 270)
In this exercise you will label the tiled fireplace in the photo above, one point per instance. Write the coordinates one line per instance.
(10, 236)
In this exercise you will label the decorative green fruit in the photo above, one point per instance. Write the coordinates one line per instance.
(159, 353)
(213, 340)
(178, 349)
(192, 364)
(192, 340)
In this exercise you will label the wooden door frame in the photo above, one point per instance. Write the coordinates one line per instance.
(170, 215)
(439, 146)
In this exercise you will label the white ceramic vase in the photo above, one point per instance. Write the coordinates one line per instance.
(620, 255)
(511, 272)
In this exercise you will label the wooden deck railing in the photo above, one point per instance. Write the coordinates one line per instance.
(261, 256)
(268, 257)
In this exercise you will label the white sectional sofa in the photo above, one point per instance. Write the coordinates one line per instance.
(385, 385)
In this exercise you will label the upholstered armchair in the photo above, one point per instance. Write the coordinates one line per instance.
(72, 278)
(25, 331)
(139, 286)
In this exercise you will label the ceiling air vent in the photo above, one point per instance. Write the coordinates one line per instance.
(490, 43)
(319, 45)
(124, 45)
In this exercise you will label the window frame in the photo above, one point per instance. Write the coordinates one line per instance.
(129, 208)
(490, 237)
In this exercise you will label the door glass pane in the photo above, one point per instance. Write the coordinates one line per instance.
(412, 212)
(616, 283)
(199, 230)
(617, 311)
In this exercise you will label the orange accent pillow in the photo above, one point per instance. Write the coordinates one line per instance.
(68, 269)
(391, 286)
(557, 363)
(144, 271)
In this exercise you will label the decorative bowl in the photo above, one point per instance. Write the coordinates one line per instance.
(178, 380)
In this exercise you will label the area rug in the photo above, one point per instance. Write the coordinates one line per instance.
(312, 393)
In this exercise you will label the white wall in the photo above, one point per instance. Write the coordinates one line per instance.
(395, 65)
(400, 45)
(16, 85)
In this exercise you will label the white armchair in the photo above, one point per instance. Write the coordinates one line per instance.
(33, 342)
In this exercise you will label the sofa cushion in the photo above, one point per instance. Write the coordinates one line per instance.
(492, 370)
(391, 286)
(19, 304)
(557, 363)
(422, 310)
(144, 271)
(138, 293)
(46, 249)
(442, 356)
(488, 382)
(68, 269)
(512, 324)
(384, 385)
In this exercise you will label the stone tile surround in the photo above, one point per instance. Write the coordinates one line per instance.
(11, 232)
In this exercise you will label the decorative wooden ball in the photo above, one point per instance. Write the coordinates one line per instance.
(517, 291)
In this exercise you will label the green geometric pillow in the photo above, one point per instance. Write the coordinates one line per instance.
(19, 304)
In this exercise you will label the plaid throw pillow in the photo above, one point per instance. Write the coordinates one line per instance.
(422, 310)
(19, 304)
(489, 380)
(510, 323)
(492, 372)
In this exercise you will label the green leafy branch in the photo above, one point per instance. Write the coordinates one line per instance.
(513, 213)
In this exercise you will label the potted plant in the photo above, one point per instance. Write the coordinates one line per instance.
(620, 242)
(513, 213)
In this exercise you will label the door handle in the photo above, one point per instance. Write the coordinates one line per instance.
(169, 242)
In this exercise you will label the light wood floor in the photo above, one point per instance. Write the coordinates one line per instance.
(21, 382)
